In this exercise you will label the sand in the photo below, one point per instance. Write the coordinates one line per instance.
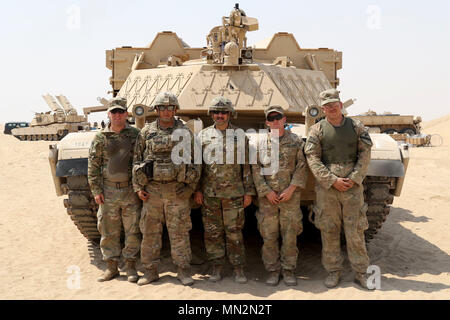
(43, 255)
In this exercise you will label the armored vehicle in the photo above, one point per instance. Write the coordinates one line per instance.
(12, 125)
(275, 71)
(53, 126)
(390, 123)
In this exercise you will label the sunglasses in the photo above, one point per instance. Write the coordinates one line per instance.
(275, 117)
(162, 108)
(218, 111)
(120, 111)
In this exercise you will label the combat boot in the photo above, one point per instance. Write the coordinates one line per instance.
(111, 271)
(184, 277)
(130, 267)
(239, 275)
(361, 279)
(150, 275)
(273, 279)
(216, 273)
(332, 279)
(289, 278)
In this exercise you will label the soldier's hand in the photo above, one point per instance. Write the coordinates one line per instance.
(198, 197)
(99, 199)
(273, 197)
(143, 195)
(342, 184)
(247, 200)
(286, 195)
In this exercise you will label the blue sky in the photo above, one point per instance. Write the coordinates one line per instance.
(395, 53)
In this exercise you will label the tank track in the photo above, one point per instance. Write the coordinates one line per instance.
(81, 207)
(379, 199)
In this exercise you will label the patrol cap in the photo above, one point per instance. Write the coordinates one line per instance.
(328, 96)
(166, 99)
(117, 103)
(277, 109)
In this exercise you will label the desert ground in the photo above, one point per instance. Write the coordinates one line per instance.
(44, 256)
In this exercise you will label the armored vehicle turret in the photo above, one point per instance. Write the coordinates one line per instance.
(55, 124)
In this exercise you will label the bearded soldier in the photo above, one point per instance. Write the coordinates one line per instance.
(338, 154)
(165, 187)
(225, 189)
(109, 175)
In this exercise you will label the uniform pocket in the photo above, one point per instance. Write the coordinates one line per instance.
(363, 223)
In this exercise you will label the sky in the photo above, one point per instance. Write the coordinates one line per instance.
(395, 53)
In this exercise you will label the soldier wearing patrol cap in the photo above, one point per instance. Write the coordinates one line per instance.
(338, 153)
(165, 187)
(109, 175)
(279, 211)
(225, 189)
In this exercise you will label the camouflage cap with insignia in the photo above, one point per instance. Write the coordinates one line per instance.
(117, 103)
(328, 96)
(221, 103)
(277, 109)
(166, 99)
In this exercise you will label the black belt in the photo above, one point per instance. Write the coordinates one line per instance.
(117, 185)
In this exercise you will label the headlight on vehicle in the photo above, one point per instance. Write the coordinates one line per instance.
(313, 112)
(139, 111)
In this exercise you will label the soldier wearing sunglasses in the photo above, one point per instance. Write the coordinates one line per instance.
(109, 175)
(225, 189)
(279, 213)
(165, 189)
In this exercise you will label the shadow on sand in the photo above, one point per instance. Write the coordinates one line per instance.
(397, 251)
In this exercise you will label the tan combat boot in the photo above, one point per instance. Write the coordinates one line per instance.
(239, 275)
(184, 277)
(216, 273)
(150, 275)
(273, 279)
(361, 279)
(332, 279)
(289, 278)
(130, 268)
(111, 271)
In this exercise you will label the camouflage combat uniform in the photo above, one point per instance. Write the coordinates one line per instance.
(284, 219)
(223, 186)
(331, 156)
(109, 172)
(169, 190)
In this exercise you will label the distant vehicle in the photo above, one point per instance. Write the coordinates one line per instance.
(12, 125)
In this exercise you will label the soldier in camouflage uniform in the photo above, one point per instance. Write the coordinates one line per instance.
(109, 175)
(165, 187)
(338, 154)
(225, 189)
(279, 199)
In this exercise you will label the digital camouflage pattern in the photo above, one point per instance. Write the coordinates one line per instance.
(223, 186)
(328, 96)
(221, 103)
(284, 219)
(224, 217)
(121, 207)
(117, 103)
(166, 99)
(335, 209)
(169, 199)
(110, 158)
(225, 180)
